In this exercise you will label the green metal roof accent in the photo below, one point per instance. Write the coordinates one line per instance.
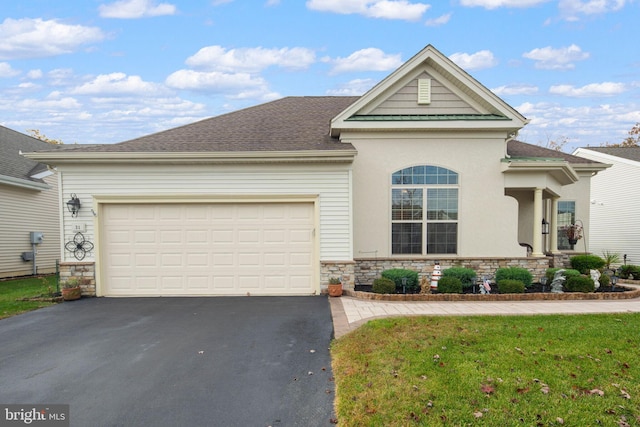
(423, 117)
(531, 159)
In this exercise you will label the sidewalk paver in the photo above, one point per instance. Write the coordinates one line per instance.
(349, 312)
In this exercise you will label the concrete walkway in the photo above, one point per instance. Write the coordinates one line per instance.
(349, 312)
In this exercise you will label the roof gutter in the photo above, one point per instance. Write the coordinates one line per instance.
(23, 183)
(308, 156)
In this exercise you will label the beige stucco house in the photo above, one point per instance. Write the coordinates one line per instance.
(28, 203)
(276, 198)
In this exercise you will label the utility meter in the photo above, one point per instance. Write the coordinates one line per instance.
(36, 237)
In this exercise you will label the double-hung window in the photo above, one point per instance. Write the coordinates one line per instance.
(424, 211)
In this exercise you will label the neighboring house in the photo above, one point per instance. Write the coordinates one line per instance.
(28, 203)
(278, 198)
(615, 208)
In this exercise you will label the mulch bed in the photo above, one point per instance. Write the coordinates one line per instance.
(534, 292)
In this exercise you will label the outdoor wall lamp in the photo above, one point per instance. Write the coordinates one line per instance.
(73, 205)
(545, 226)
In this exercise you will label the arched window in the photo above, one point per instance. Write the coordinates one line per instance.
(424, 211)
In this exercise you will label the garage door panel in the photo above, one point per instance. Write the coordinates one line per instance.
(275, 259)
(251, 237)
(208, 249)
(145, 236)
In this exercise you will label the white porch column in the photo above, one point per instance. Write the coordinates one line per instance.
(553, 227)
(537, 223)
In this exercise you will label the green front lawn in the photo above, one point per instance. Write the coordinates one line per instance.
(12, 293)
(573, 370)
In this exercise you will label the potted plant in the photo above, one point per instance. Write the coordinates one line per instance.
(71, 290)
(573, 233)
(335, 287)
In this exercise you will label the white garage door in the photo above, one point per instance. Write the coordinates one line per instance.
(208, 249)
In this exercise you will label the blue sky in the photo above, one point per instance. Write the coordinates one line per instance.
(103, 71)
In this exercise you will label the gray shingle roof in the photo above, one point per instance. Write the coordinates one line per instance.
(629, 153)
(287, 124)
(14, 165)
(523, 149)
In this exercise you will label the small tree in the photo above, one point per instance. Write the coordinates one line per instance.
(633, 140)
(35, 133)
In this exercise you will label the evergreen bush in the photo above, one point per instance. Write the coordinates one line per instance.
(449, 285)
(466, 275)
(579, 284)
(508, 286)
(396, 274)
(384, 286)
(568, 272)
(584, 263)
(630, 272)
(514, 273)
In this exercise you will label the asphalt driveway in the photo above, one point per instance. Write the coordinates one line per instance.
(227, 361)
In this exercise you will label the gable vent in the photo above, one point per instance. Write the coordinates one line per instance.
(424, 91)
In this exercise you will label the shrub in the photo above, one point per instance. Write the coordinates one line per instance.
(604, 280)
(384, 286)
(514, 273)
(508, 286)
(630, 272)
(466, 275)
(449, 285)
(580, 284)
(584, 263)
(610, 258)
(396, 274)
(568, 272)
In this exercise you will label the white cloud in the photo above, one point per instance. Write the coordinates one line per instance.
(562, 58)
(475, 61)
(582, 125)
(494, 4)
(232, 85)
(571, 9)
(515, 89)
(119, 84)
(250, 59)
(214, 81)
(387, 9)
(369, 59)
(131, 9)
(354, 87)
(50, 104)
(440, 20)
(34, 74)
(35, 38)
(590, 90)
(7, 71)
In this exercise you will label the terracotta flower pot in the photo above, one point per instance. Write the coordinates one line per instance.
(70, 294)
(335, 290)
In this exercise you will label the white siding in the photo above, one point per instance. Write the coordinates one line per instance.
(22, 211)
(615, 207)
(330, 183)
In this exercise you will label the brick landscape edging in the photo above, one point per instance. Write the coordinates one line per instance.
(567, 296)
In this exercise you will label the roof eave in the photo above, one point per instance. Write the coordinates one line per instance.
(562, 171)
(23, 183)
(303, 156)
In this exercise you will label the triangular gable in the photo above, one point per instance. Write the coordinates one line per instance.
(429, 91)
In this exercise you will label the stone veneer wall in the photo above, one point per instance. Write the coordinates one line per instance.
(341, 269)
(369, 269)
(80, 269)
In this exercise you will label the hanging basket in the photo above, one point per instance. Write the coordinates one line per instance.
(573, 241)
